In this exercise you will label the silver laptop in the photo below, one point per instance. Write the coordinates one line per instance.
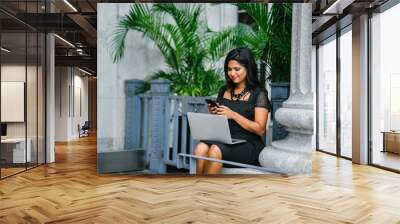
(211, 127)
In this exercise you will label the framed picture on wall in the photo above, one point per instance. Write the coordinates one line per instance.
(12, 101)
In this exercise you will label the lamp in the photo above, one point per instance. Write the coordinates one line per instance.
(337, 7)
(70, 5)
(84, 71)
(5, 50)
(64, 40)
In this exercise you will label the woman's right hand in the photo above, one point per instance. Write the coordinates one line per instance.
(212, 110)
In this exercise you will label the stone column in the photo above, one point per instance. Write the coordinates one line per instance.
(158, 124)
(50, 92)
(293, 153)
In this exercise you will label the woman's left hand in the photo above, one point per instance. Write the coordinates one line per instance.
(224, 110)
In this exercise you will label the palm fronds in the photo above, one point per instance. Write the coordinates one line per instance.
(221, 42)
(271, 37)
(187, 44)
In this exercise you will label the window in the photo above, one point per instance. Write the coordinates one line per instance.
(22, 77)
(327, 95)
(385, 87)
(335, 74)
(346, 93)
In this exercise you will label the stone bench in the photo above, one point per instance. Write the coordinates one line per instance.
(246, 168)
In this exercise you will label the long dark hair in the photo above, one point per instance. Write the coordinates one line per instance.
(245, 58)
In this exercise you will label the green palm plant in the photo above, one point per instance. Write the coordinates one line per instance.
(190, 49)
(270, 37)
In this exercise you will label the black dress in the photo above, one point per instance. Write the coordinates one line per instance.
(243, 152)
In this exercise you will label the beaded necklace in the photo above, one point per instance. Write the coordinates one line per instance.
(239, 95)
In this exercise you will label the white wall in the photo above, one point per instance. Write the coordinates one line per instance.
(220, 16)
(61, 103)
(69, 82)
(142, 58)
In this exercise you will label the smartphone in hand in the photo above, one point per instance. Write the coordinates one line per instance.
(212, 103)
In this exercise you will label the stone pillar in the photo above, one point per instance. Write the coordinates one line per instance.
(158, 124)
(50, 92)
(293, 153)
(132, 114)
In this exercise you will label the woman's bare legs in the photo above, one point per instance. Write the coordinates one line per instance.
(214, 167)
(201, 150)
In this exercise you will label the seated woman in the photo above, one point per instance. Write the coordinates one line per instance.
(245, 103)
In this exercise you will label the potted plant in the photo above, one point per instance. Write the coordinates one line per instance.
(269, 37)
(189, 47)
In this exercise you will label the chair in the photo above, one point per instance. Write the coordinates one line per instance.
(84, 130)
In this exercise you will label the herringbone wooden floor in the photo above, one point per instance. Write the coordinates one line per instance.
(70, 191)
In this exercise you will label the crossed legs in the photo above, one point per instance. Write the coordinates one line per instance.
(208, 167)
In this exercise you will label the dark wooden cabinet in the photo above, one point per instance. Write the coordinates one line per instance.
(391, 141)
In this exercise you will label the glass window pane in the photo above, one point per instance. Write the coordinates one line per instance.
(31, 100)
(13, 86)
(41, 98)
(385, 88)
(346, 94)
(327, 96)
(22, 90)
